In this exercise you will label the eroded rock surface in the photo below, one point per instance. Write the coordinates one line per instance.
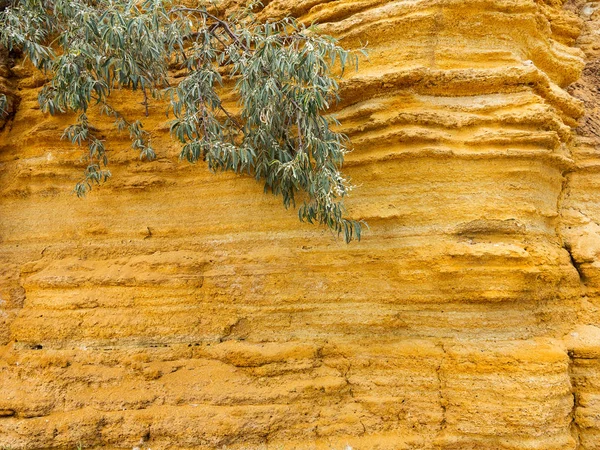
(177, 308)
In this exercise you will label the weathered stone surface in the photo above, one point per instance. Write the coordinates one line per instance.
(177, 308)
(579, 228)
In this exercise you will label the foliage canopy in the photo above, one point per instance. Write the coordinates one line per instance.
(284, 83)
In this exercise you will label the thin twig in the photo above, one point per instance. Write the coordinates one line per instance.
(145, 102)
(222, 23)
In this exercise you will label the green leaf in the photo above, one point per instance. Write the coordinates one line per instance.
(283, 76)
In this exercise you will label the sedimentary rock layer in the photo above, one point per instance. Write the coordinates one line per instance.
(580, 230)
(178, 308)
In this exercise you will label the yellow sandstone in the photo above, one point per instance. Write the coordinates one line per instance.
(175, 308)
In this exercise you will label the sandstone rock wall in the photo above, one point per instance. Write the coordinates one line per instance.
(174, 308)
(580, 230)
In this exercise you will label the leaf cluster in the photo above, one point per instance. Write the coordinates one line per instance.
(283, 76)
(3, 105)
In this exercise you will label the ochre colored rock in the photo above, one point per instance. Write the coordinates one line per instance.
(175, 308)
(581, 233)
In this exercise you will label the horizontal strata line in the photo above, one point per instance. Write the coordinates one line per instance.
(425, 236)
(326, 15)
(354, 159)
(476, 136)
(439, 123)
(431, 305)
(449, 263)
(414, 252)
(587, 167)
(385, 295)
(463, 82)
(382, 240)
(157, 408)
(548, 156)
(430, 302)
(238, 399)
(413, 267)
(184, 342)
(452, 124)
(466, 269)
(388, 134)
(456, 148)
(423, 123)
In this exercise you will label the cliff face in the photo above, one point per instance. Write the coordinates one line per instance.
(177, 308)
(581, 232)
